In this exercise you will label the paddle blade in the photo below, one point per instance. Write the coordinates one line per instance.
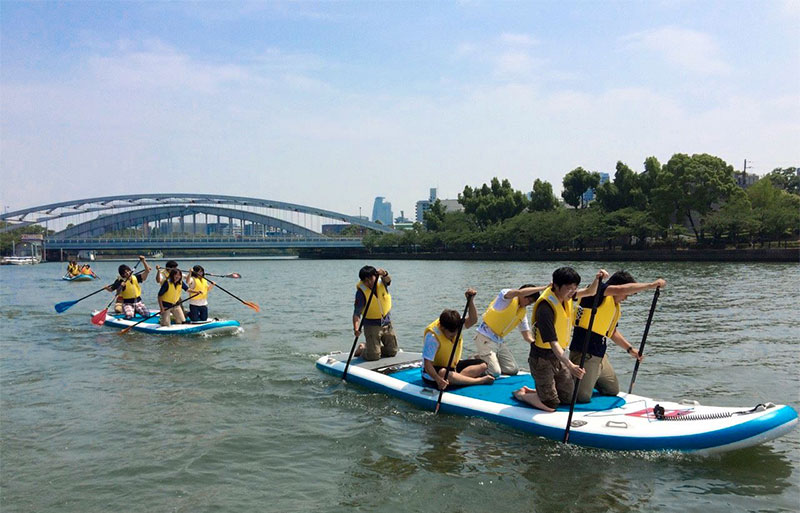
(233, 275)
(100, 317)
(64, 306)
(124, 331)
(252, 305)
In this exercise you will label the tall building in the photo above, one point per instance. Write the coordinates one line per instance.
(382, 211)
(588, 196)
(450, 205)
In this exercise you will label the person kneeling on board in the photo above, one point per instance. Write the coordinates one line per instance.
(169, 296)
(553, 317)
(128, 287)
(599, 373)
(438, 340)
(381, 341)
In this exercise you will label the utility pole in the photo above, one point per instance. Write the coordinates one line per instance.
(744, 174)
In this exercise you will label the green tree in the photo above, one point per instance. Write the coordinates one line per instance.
(492, 203)
(785, 178)
(434, 216)
(542, 197)
(733, 219)
(777, 211)
(577, 182)
(688, 187)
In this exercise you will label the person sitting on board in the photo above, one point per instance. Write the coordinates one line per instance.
(599, 373)
(127, 286)
(507, 311)
(163, 273)
(198, 305)
(438, 339)
(379, 334)
(168, 297)
(72, 268)
(86, 269)
(553, 316)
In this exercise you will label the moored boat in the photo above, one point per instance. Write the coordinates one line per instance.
(621, 422)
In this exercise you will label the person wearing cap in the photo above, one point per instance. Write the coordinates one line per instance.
(553, 315)
(508, 310)
(438, 340)
(379, 334)
(599, 373)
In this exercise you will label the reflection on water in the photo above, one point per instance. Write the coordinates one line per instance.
(94, 421)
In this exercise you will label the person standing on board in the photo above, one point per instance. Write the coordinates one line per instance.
(553, 316)
(507, 311)
(379, 334)
(438, 340)
(198, 305)
(599, 373)
(168, 297)
(128, 287)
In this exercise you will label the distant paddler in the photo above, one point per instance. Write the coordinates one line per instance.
(128, 287)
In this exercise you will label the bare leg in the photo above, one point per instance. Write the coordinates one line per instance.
(529, 396)
(474, 371)
(456, 378)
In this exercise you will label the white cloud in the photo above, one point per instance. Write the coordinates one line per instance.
(687, 49)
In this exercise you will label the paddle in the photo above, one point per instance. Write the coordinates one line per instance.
(452, 353)
(585, 346)
(157, 313)
(360, 327)
(66, 305)
(229, 275)
(100, 317)
(644, 336)
(249, 304)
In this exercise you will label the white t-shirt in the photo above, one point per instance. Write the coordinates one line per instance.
(500, 304)
(429, 347)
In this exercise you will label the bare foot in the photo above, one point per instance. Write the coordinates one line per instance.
(486, 380)
(359, 350)
(529, 396)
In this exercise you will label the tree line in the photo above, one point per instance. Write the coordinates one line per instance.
(691, 201)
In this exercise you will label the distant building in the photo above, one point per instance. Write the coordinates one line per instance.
(402, 219)
(382, 211)
(450, 205)
(588, 196)
(745, 180)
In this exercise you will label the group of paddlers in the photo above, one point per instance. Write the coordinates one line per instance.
(564, 317)
(173, 281)
(74, 269)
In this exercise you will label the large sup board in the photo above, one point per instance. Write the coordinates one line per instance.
(623, 422)
(211, 326)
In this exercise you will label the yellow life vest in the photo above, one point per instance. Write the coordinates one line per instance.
(72, 269)
(132, 288)
(173, 293)
(382, 302)
(503, 321)
(605, 318)
(564, 319)
(86, 270)
(201, 286)
(445, 345)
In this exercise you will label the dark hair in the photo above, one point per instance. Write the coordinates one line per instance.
(366, 272)
(123, 269)
(450, 320)
(533, 296)
(170, 264)
(620, 278)
(196, 270)
(566, 276)
(175, 272)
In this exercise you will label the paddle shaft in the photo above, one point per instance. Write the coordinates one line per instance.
(644, 336)
(595, 302)
(360, 327)
(246, 303)
(151, 316)
(453, 353)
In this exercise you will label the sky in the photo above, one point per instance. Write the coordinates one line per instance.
(330, 104)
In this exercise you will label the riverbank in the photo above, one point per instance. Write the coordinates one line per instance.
(647, 255)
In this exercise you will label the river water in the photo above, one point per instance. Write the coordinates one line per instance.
(95, 422)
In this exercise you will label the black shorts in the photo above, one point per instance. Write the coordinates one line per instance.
(460, 366)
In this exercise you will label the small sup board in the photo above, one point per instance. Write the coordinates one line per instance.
(621, 422)
(211, 326)
(78, 277)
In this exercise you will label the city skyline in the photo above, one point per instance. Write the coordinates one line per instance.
(331, 104)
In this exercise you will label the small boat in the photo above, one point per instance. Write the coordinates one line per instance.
(211, 326)
(20, 260)
(79, 277)
(621, 422)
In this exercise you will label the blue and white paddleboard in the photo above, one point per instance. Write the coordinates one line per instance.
(623, 422)
(211, 326)
(79, 277)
